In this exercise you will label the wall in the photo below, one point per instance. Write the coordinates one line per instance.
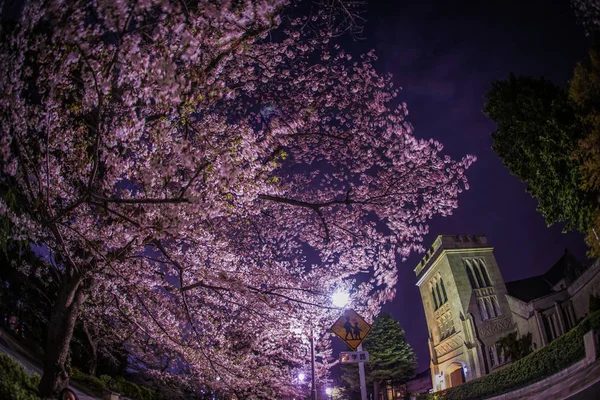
(584, 286)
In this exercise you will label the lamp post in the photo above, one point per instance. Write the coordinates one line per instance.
(339, 299)
(312, 367)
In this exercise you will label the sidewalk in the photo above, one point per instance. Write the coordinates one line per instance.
(30, 367)
(569, 385)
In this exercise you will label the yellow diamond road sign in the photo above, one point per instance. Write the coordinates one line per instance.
(351, 328)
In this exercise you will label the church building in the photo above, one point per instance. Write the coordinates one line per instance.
(469, 307)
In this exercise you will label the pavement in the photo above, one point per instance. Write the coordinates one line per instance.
(592, 392)
(32, 368)
(582, 384)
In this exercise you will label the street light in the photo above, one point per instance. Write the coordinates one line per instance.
(328, 391)
(340, 298)
(301, 376)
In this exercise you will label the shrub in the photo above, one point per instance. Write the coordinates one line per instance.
(549, 360)
(147, 394)
(130, 389)
(106, 379)
(15, 383)
(431, 396)
(96, 385)
(118, 384)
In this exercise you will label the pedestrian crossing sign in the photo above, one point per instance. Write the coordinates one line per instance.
(351, 328)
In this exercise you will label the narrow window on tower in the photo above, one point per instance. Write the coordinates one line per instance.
(486, 277)
(480, 282)
(499, 354)
(496, 306)
(492, 358)
(443, 290)
(470, 274)
(439, 294)
(481, 310)
(488, 309)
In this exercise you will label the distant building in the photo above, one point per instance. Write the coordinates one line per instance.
(469, 307)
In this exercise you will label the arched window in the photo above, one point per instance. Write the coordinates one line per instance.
(444, 329)
(480, 282)
(492, 358)
(481, 310)
(488, 308)
(439, 294)
(435, 303)
(499, 354)
(566, 318)
(486, 277)
(496, 306)
(443, 290)
(470, 274)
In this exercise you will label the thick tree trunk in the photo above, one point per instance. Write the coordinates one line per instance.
(60, 331)
(376, 390)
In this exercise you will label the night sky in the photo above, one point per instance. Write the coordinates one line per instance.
(444, 55)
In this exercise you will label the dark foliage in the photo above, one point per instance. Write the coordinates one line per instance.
(537, 134)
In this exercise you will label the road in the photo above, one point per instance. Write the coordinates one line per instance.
(31, 369)
(590, 393)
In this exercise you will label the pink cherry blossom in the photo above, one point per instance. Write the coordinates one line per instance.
(212, 175)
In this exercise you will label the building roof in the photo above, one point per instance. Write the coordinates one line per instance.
(567, 267)
(528, 289)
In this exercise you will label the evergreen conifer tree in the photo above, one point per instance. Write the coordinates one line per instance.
(392, 359)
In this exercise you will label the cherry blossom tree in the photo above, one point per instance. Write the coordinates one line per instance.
(588, 14)
(216, 171)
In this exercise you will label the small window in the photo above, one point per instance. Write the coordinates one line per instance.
(486, 302)
(443, 328)
(499, 354)
(435, 303)
(492, 358)
(481, 310)
(480, 282)
(443, 290)
(470, 274)
(451, 328)
(546, 322)
(496, 306)
(439, 294)
(486, 277)
(566, 318)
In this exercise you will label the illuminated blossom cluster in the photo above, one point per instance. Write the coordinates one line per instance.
(213, 172)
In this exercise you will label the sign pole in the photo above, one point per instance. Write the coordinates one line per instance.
(312, 359)
(352, 325)
(361, 373)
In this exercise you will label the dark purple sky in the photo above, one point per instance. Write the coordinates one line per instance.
(444, 55)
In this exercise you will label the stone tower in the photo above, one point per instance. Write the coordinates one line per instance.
(464, 297)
